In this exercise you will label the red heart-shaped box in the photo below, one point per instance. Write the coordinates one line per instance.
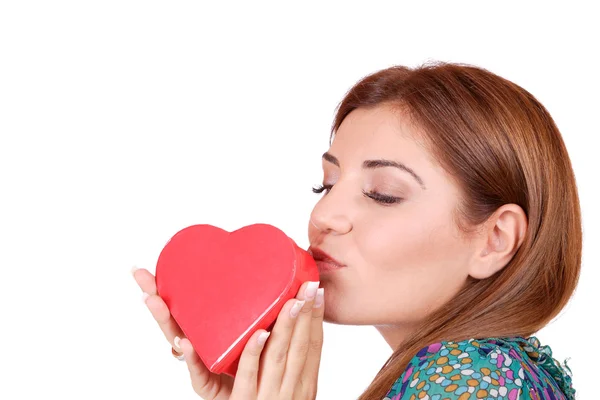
(221, 287)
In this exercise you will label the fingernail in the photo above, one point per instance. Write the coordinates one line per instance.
(176, 342)
(297, 307)
(133, 269)
(262, 338)
(145, 297)
(311, 290)
(180, 357)
(320, 298)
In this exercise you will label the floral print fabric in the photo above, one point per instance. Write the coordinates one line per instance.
(492, 368)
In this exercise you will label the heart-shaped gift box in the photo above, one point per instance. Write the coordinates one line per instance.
(221, 287)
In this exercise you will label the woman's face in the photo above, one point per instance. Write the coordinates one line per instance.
(403, 259)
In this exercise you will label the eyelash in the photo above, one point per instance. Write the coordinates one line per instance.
(378, 197)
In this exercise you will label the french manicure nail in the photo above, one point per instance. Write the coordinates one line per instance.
(297, 307)
(262, 338)
(145, 297)
(311, 290)
(133, 269)
(320, 298)
(176, 342)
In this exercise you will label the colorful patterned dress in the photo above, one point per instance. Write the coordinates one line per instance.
(493, 368)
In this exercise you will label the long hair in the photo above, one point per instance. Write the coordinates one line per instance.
(500, 146)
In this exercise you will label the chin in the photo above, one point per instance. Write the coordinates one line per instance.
(334, 315)
(329, 317)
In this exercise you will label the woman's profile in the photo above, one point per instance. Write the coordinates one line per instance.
(449, 220)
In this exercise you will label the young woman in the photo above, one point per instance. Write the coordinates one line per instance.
(450, 221)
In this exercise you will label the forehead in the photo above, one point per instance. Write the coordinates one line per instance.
(381, 132)
(384, 133)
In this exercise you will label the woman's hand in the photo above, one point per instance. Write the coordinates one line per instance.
(286, 367)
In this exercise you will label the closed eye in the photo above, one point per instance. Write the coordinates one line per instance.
(380, 198)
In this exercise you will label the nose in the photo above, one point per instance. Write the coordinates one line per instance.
(331, 216)
(332, 225)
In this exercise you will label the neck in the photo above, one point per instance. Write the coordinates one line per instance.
(394, 335)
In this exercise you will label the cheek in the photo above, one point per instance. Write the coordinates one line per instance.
(417, 260)
(408, 240)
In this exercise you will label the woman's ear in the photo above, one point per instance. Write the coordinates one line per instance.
(501, 236)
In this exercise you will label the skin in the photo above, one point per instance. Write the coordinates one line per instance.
(402, 260)
(285, 367)
(405, 259)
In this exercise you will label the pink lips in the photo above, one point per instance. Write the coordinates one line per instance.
(326, 266)
(324, 261)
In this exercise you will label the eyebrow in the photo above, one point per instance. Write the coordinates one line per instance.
(372, 164)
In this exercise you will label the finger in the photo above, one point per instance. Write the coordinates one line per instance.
(200, 376)
(275, 354)
(245, 385)
(165, 321)
(300, 341)
(277, 351)
(157, 306)
(310, 373)
(145, 280)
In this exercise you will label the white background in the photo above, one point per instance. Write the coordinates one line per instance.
(122, 122)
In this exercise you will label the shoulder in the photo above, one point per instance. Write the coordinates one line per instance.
(458, 370)
(502, 368)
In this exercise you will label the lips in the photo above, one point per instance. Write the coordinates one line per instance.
(324, 260)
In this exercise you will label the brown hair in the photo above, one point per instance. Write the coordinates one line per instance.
(501, 146)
